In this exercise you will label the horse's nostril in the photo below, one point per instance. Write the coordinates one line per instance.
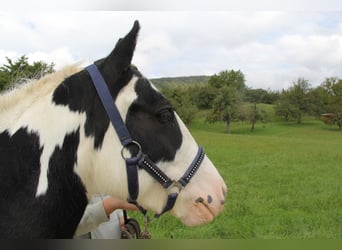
(199, 200)
(210, 199)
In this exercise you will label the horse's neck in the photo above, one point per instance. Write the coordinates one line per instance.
(105, 164)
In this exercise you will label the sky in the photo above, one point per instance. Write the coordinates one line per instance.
(272, 44)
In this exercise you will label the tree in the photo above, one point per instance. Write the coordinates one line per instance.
(298, 95)
(284, 107)
(13, 72)
(203, 96)
(333, 89)
(261, 96)
(179, 97)
(232, 78)
(230, 86)
(255, 115)
(318, 101)
(294, 102)
(251, 113)
(225, 106)
(336, 119)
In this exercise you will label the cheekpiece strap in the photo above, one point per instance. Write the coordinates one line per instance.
(108, 103)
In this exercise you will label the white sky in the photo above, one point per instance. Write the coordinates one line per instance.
(271, 44)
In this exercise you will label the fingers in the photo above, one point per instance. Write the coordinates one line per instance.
(110, 204)
(130, 207)
(127, 206)
(115, 203)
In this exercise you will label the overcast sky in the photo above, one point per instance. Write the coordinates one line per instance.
(272, 46)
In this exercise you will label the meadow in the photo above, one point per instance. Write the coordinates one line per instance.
(284, 182)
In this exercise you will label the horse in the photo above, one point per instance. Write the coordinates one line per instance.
(59, 146)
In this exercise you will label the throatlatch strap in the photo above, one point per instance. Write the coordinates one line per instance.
(132, 165)
(107, 101)
(171, 200)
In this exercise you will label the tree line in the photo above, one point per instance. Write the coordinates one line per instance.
(228, 99)
(224, 95)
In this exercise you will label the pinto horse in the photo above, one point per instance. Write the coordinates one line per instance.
(58, 147)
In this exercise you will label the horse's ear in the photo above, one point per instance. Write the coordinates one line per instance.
(122, 54)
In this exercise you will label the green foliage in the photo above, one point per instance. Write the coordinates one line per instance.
(181, 101)
(318, 101)
(203, 96)
(261, 96)
(225, 106)
(230, 86)
(328, 99)
(336, 119)
(230, 78)
(12, 72)
(294, 102)
(298, 97)
(285, 108)
(333, 88)
(252, 114)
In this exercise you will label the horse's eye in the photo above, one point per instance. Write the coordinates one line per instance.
(164, 116)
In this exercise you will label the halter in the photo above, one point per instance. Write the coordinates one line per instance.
(140, 160)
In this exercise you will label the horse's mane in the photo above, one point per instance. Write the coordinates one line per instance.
(15, 102)
(26, 93)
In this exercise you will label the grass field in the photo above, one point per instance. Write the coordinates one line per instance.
(284, 181)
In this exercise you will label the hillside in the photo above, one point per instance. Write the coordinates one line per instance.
(165, 82)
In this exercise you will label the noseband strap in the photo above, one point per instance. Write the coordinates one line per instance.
(140, 160)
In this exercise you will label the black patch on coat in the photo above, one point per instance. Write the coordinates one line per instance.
(79, 94)
(19, 166)
(152, 122)
(55, 214)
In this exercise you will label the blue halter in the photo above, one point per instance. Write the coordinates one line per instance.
(140, 160)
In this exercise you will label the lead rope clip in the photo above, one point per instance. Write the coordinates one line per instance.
(145, 234)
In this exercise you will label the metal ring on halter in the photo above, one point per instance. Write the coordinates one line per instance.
(176, 184)
(133, 143)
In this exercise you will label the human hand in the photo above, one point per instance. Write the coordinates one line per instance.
(111, 203)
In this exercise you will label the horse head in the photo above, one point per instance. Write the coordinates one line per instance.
(152, 123)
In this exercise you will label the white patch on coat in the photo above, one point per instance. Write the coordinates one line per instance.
(126, 97)
(106, 164)
(30, 106)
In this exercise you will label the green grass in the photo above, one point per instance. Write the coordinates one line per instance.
(284, 181)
